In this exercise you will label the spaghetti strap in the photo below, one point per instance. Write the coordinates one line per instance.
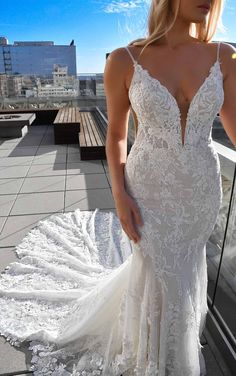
(218, 50)
(134, 61)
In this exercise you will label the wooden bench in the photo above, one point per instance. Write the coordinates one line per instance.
(67, 125)
(92, 136)
(101, 117)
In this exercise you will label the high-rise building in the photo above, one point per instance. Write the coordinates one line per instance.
(36, 58)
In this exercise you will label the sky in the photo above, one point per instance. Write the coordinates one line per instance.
(97, 26)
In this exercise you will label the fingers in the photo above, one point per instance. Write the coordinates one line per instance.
(128, 225)
(132, 234)
(137, 216)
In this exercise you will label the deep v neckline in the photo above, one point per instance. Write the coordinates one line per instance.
(183, 142)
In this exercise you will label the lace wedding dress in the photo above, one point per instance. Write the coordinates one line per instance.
(91, 302)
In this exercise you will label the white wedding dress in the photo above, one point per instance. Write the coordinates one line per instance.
(91, 302)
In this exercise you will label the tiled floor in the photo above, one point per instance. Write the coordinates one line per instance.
(37, 179)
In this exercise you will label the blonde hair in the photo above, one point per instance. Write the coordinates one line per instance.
(161, 20)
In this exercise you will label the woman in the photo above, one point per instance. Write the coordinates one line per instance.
(90, 315)
(168, 191)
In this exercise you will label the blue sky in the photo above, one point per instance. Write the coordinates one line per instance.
(97, 26)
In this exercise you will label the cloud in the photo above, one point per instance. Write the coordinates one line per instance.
(119, 6)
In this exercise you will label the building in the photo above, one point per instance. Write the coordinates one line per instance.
(35, 58)
(100, 85)
(62, 85)
(11, 86)
(61, 77)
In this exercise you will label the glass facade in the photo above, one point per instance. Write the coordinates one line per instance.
(36, 60)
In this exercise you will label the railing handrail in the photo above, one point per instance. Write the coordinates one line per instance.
(225, 151)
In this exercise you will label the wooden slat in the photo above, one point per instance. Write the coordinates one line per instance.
(64, 116)
(86, 127)
(96, 130)
(90, 130)
(61, 115)
(82, 131)
(101, 124)
(68, 115)
(91, 139)
(77, 115)
(73, 114)
(58, 116)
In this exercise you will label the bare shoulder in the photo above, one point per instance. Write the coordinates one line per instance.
(228, 59)
(118, 67)
(227, 52)
(227, 55)
(227, 48)
(119, 58)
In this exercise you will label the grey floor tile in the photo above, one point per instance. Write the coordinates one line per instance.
(109, 179)
(10, 186)
(14, 359)
(6, 203)
(30, 141)
(37, 203)
(50, 131)
(49, 158)
(34, 129)
(45, 142)
(85, 167)
(5, 152)
(13, 171)
(74, 157)
(50, 149)
(5, 146)
(24, 151)
(73, 148)
(87, 181)
(7, 256)
(212, 366)
(105, 164)
(16, 161)
(43, 184)
(48, 139)
(47, 170)
(215, 354)
(17, 227)
(13, 141)
(2, 222)
(89, 199)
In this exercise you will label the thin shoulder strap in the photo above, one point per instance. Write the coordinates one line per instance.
(134, 61)
(218, 50)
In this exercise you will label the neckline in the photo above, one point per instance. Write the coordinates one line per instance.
(183, 142)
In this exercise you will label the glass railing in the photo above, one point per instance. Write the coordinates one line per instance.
(29, 88)
(221, 249)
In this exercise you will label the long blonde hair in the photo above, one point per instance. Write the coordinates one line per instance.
(161, 20)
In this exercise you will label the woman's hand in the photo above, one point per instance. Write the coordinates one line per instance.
(129, 215)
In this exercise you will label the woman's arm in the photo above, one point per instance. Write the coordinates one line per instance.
(118, 108)
(228, 110)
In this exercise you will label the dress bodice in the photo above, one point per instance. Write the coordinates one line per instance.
(159, 115)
